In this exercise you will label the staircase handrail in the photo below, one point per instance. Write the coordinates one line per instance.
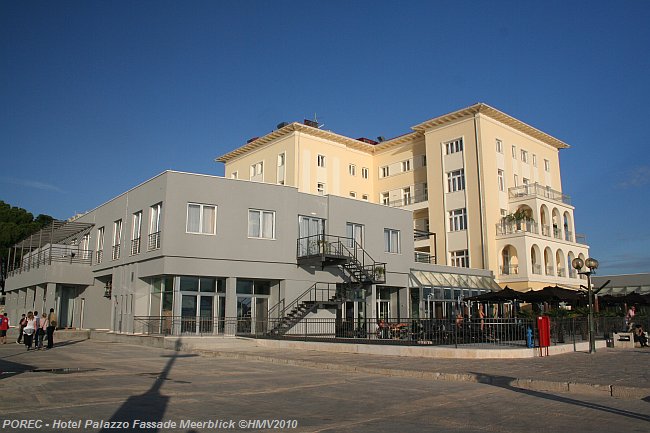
(312, 291)
(322, 244)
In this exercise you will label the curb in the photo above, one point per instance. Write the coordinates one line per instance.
(624, 392)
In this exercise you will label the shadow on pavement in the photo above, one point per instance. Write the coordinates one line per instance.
(150, 406)
(504, 383)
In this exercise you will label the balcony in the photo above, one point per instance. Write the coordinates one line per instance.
(52, 254)
(515, 227)
(537, 269)
(536, 190)
(422, 257)
(509, 270)
(408, 200)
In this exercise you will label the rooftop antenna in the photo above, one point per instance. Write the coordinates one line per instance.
(320, 125)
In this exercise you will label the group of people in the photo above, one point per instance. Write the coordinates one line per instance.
(33, 329)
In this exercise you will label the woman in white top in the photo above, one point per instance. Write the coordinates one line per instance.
(30, 330)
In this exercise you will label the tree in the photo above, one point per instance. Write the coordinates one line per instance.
(16, 224)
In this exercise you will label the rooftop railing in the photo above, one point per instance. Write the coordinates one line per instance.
(537, 190)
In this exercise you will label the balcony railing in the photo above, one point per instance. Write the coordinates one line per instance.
(568, 235)
(557, 233)
(536, 190)
(537, 269)
(561, 272)
(116, 252)
(56, 253)
(573, 273)
(408, 200)
(99, 257)
(422, 257)
(509, 270)
(512, 227)
(135, 246)
(550, 270)
(154, 241)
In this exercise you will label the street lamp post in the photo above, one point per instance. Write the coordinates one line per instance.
(592, 265)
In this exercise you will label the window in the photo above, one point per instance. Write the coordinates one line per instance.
(406, 196)
(364, 197)
(154, 226)
(320, 187)
(201, 219)
(501, 181)
(135, 233)
(261, 224)
(456, 180)
(384, 171)
(117, 239)
(385, 198)
(424, 160)
(525, 181)
(499, 146)
(281, 170)
(353, 194)
(454, 146)
(524, 156)
(406, 165)
(514, 151)
(516, 178)
(320, 159)
(534, 160)
(233, 175)
(365, 172)
(100, 244)
(391, 241)
(257, 171)
(460, 258)
(547, 165)
(352, 169)
(458, 220)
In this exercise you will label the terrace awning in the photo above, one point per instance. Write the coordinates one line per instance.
(448, 279)
(56, 232)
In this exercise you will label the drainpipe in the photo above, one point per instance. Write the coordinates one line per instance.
(480, 191)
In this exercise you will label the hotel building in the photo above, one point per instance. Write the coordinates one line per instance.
(484, 188)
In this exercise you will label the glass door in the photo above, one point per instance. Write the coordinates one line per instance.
(308, 229)
(206, 308)
(188, 314)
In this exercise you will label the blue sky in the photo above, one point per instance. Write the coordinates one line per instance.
(96, 97)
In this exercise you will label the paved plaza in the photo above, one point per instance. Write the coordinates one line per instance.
(92, 386)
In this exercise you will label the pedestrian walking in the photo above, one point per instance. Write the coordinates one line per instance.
(37, 326)
(29, 330)
(41, 331)
(4, 327)
(20, 331)
(51, 326)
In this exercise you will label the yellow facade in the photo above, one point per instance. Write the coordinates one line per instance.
(487, 184)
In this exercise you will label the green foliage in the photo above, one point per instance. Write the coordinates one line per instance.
(17, 224)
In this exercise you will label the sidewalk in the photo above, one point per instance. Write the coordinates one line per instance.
(621, 373)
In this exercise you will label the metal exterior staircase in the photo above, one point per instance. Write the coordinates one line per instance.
(326, 250)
